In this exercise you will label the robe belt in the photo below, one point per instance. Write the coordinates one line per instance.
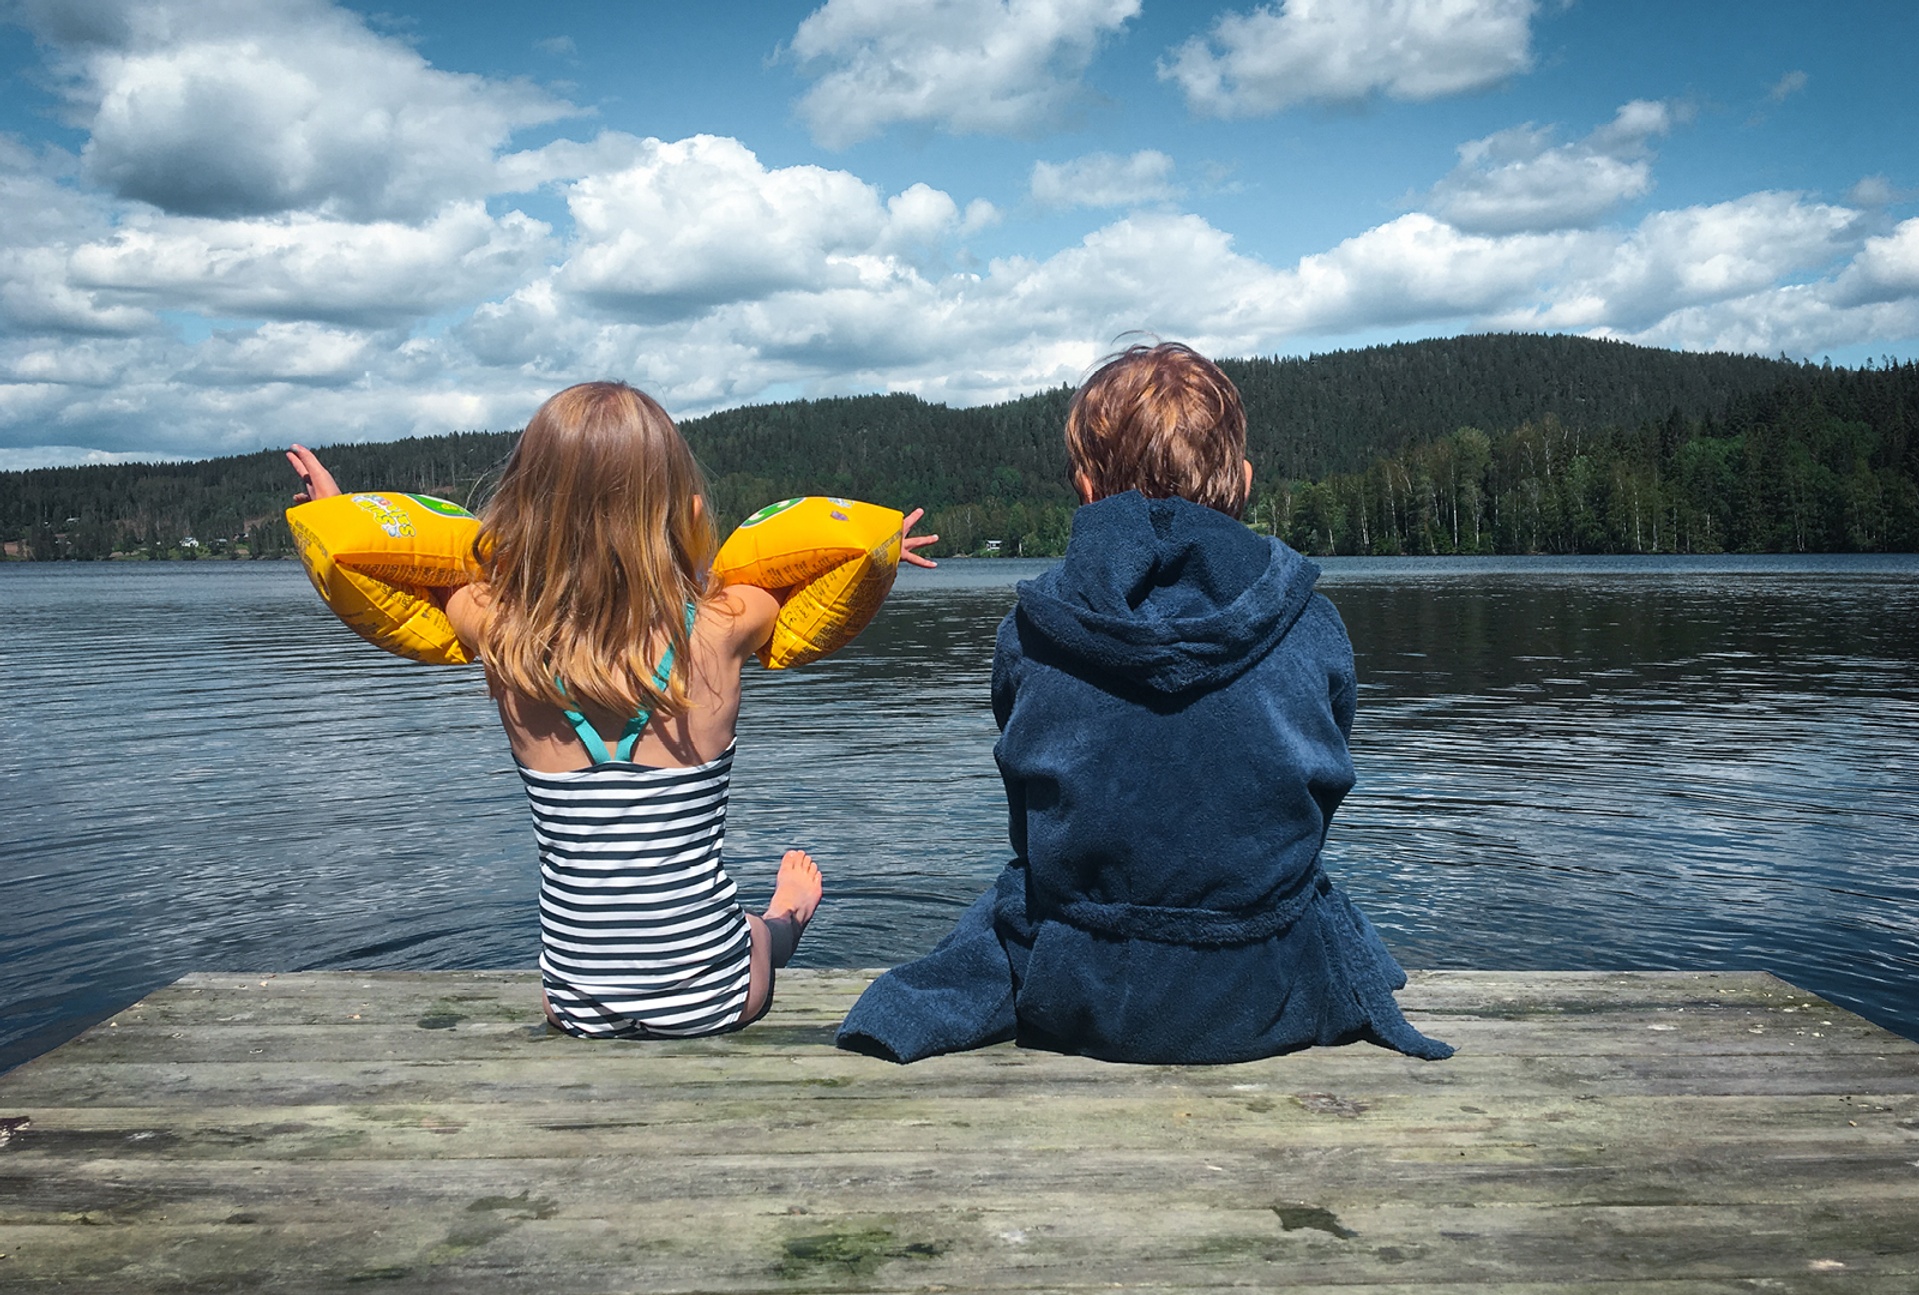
(1202, 926)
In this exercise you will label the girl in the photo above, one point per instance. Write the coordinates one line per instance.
(616, 669)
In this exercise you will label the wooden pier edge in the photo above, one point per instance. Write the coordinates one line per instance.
(423, 1131)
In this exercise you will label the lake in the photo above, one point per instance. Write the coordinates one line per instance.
(1563, 763)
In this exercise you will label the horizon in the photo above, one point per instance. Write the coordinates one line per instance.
(437, 215)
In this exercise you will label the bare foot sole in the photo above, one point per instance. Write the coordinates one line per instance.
(796, 893)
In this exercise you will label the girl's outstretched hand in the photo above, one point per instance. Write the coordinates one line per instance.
(910, 544)
(315, 481)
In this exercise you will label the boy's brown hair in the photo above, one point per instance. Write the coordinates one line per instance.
(1162, 420)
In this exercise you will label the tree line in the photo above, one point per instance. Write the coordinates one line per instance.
(1825, 462)
(1504, 443)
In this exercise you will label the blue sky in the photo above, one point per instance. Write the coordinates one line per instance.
(225, 224)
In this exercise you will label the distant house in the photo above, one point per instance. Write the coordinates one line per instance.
(189, 543)
(992, 546)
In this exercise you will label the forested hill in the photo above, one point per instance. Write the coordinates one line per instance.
(1356, 450)
(1306, 418)
(1332, 413)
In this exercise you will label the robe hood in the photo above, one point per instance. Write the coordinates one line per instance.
(1167, 594)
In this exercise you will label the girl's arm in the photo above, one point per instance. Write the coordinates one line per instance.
(750, 612)
(468, 607)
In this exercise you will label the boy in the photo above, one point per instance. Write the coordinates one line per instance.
(1174, 703)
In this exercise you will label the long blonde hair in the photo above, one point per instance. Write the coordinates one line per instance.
(591, 548)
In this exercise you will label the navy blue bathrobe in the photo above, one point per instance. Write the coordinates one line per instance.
(1174, 703)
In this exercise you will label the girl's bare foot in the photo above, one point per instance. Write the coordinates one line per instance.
(796, 893)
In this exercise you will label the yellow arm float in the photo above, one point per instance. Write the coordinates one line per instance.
(373, 556)
(833, 560)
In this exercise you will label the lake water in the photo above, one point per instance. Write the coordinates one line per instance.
(1645, 763)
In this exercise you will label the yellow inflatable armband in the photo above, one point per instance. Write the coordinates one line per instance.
(833, 559)
(373, 556)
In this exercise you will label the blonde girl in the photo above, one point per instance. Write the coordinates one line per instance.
(616, 669)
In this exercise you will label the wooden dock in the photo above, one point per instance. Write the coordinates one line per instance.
(402, 1132)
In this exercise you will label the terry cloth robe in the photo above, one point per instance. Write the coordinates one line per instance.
(1174, 703)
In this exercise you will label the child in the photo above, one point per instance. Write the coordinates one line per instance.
(598, 630)
(1174, 703)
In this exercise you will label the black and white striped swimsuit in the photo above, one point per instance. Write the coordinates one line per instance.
(640, 932)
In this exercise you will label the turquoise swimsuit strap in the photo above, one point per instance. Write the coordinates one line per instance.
(623, 749)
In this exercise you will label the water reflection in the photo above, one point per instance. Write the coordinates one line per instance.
(1561, 765)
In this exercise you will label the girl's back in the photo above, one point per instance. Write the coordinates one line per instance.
(727, 628)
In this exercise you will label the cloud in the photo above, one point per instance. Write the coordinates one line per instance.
(157, 397)
(1344, 51)
(72, 456)
(218, 109)
(1792, 319)
(1025, 322)
(1703, 277)
(1719, 251)
(308, 268)
(690, 225)
(79, 363)
(1519, 179)
(43, 216)
(746, 275)
(1104, 180)
(1691, 276)
(310, 354)
(1022, 323)
(1886, 270)
(1787, 86)
(1874, 191)
(841, 306)
(966, 67)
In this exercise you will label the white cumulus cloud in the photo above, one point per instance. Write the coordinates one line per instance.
(1342, 51)
(1104, 180)
(41, 218)
(1718, 251)
(967, 67)
(1521, 179)
(307, 267)
(1886, 270)
(310, 354)
(693, 224)
(215, 108)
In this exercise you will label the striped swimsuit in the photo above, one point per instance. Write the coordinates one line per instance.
(640, 933)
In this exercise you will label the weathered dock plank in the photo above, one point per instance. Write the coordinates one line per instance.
(1646, 1132)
